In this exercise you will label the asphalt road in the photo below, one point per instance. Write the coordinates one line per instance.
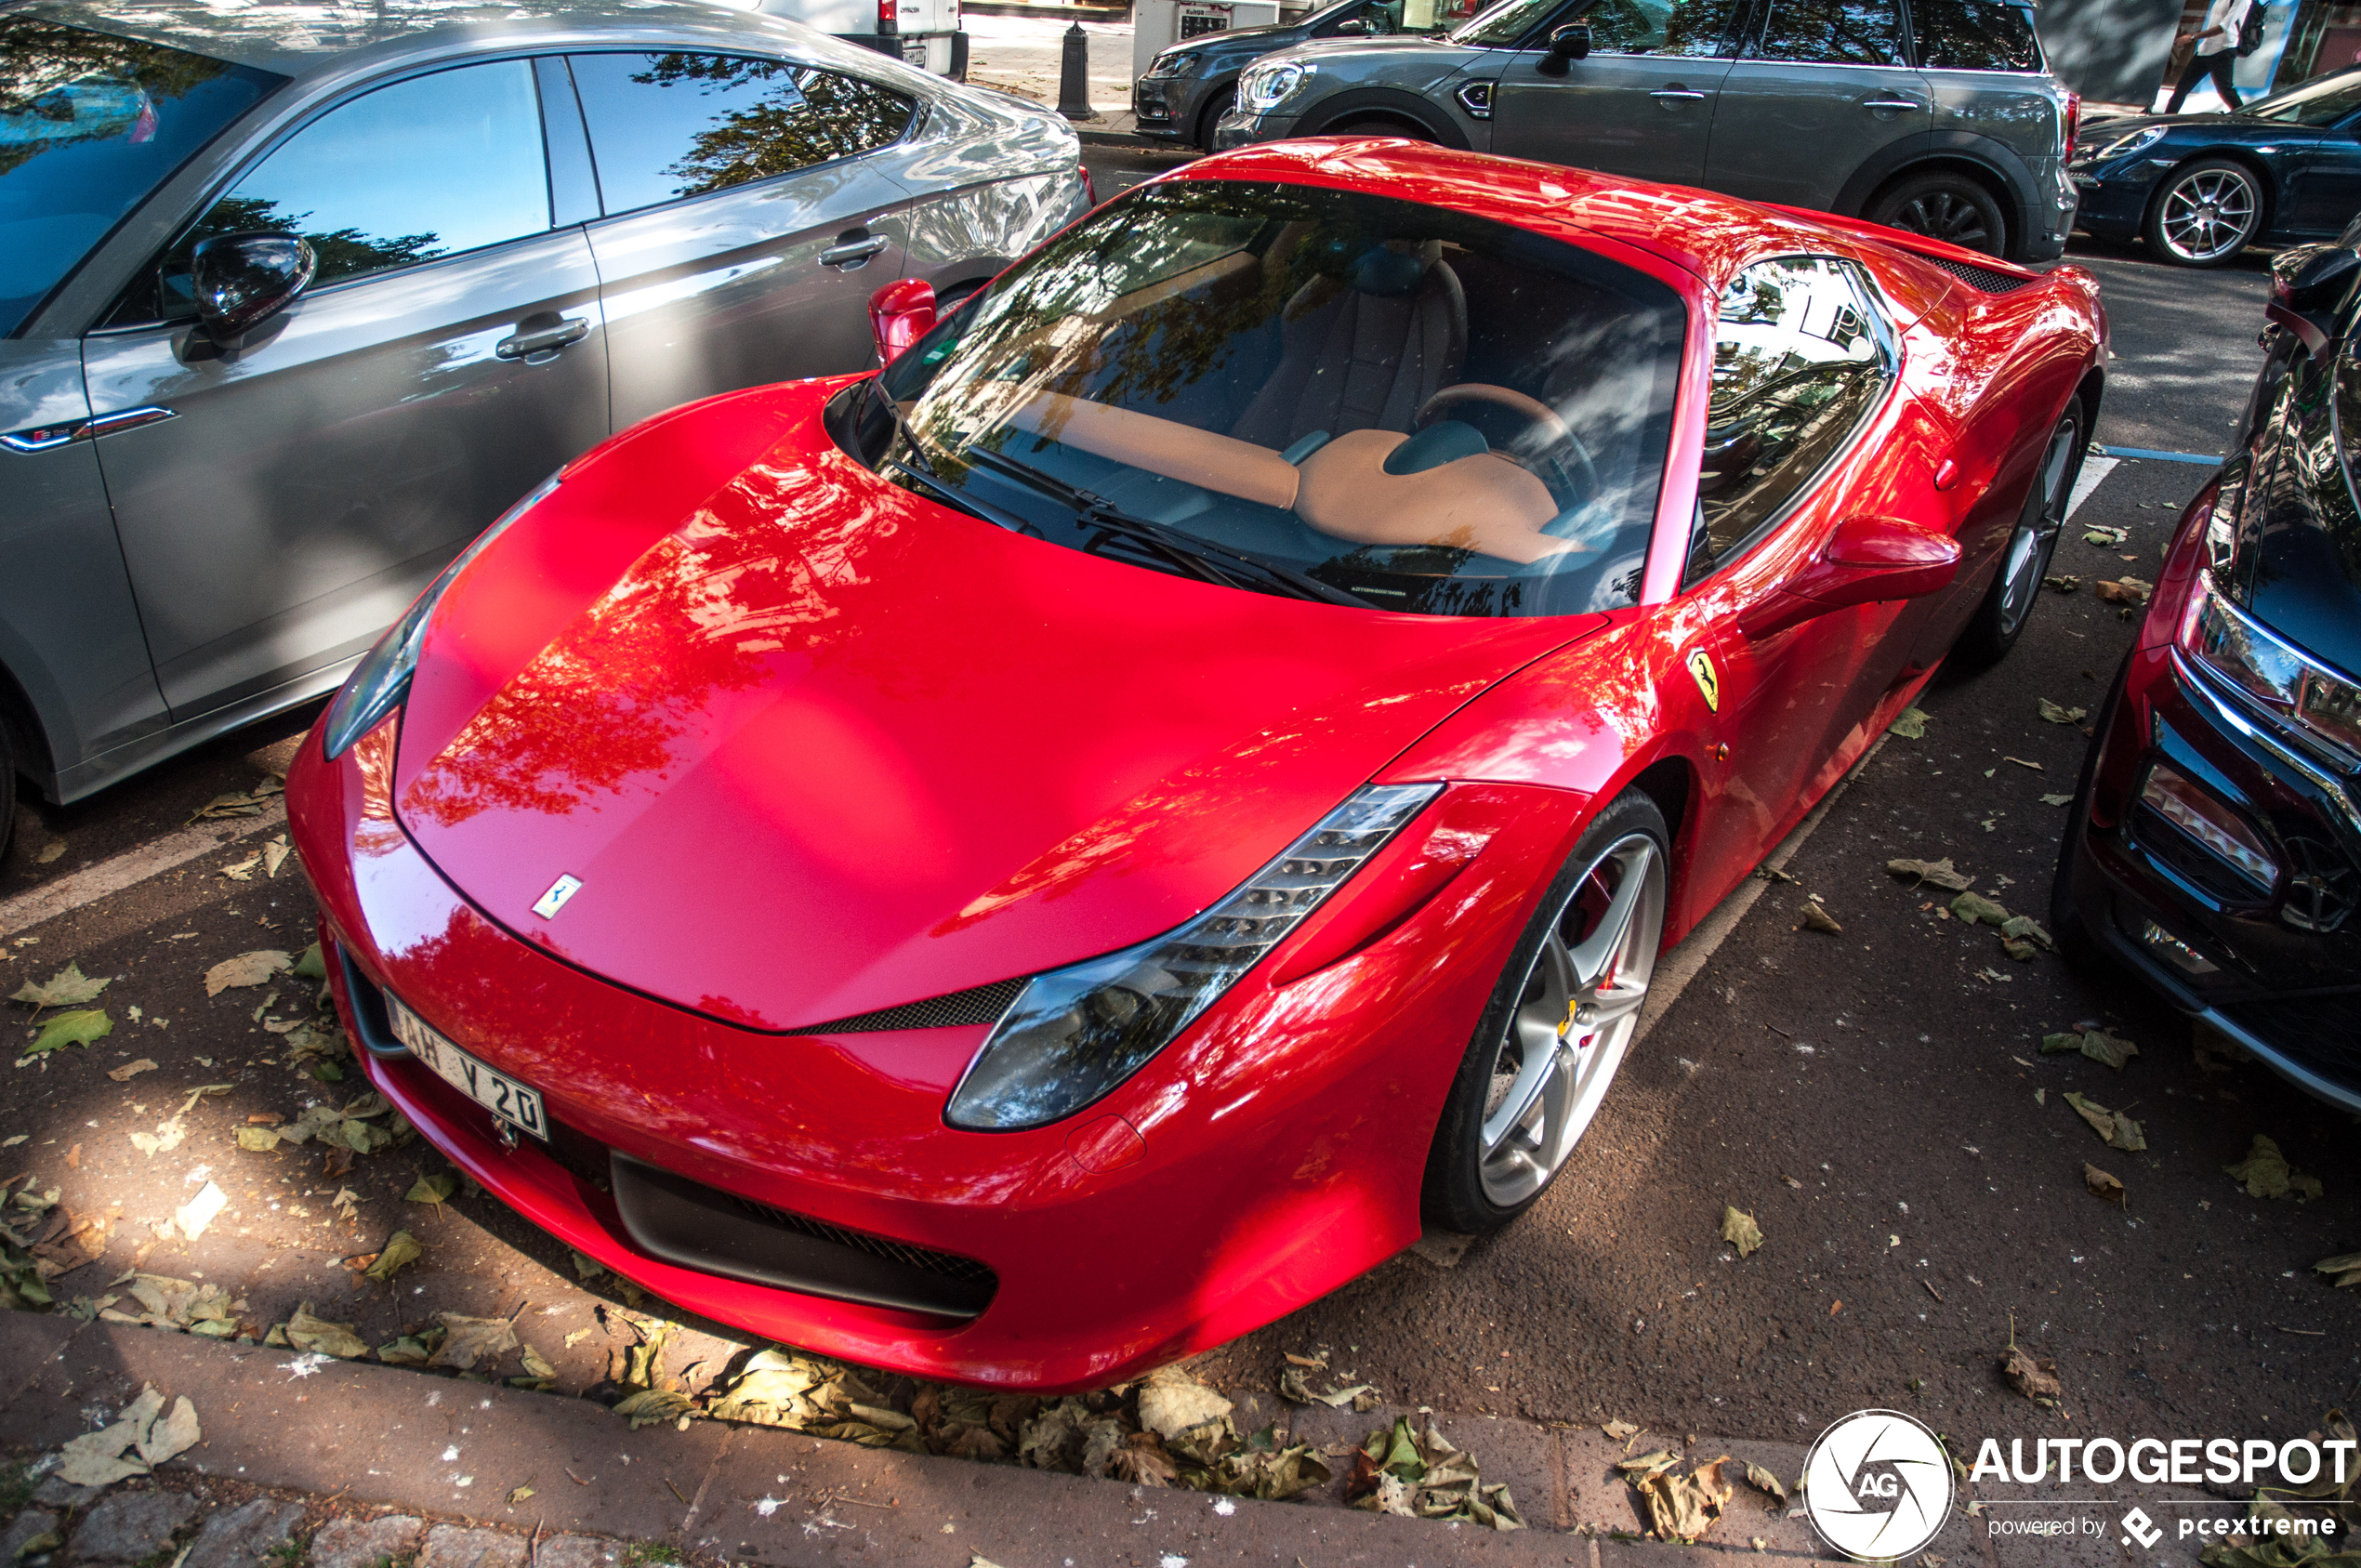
(1876, 1099)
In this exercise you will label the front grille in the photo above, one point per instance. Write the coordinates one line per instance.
(574, 1152)
(2323, 1034)
(984, 1004)
(706, 1229)
(1984, 278)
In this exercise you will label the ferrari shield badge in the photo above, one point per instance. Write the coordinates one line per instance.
(564, 888)
(1701, 669)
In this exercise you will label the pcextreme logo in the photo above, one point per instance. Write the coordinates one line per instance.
(1877, 1486)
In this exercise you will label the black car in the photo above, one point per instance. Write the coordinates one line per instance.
(1189, 85)
(2215, 841)
(2201, 187)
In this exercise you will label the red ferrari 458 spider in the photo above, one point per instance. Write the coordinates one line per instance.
(1036, 861)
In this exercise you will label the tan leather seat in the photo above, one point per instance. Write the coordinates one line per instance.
(1363, 351)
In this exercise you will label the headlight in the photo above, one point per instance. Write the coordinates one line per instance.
(1175, 62)
(1264, 87)
(378, 685)
(2122, 146)
(2242, 650)
(1075, 1033)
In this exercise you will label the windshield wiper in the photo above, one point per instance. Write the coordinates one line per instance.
(917, 466)
(1200, 557)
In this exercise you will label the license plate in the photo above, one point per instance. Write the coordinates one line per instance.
(914, 52)
(496, 1092)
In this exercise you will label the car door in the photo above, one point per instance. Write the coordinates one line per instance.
(1803, 359)
(1642, 103)
(2324, 188)
(745, 229)
(1820, 88)
(312, 478)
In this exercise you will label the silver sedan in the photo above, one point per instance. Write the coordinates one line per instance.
(296, 298)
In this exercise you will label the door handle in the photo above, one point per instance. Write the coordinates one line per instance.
(1892, 104)
(542, 339)
(852, 255)
(1661, 94)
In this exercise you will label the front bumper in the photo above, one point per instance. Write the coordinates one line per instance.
(2275, 971)
(1271, 1154)
(1241, 128)
(1166, 106)
(2114, 196)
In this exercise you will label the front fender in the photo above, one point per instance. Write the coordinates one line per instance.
(1340, 108)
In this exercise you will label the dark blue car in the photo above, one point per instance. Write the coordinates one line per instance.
(2201, 187)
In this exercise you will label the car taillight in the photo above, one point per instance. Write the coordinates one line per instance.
(1089, 188)
(2212, 822)
(889, 16)
(2073, 120)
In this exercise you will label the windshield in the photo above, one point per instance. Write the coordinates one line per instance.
(2315, 103)
(89, 123)
(1389, 403)
(1501, 27)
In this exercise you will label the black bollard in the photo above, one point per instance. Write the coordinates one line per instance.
(1074, 76)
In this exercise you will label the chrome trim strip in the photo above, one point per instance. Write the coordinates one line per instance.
(44, 438)
(2302, 1077)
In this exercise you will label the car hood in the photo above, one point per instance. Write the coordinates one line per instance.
(2218, 127)
(2305, 580)
(813, 746)
(1259, 39)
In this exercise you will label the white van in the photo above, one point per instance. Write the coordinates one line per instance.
(924, 33)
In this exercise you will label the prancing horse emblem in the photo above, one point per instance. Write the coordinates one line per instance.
(1700, 666)
(548, 904)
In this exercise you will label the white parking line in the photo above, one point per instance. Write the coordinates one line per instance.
(2093, 470)
(130, 868)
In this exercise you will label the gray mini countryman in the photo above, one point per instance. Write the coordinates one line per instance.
(1938, 116)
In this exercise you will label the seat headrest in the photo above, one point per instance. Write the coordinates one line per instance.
(1389, 269)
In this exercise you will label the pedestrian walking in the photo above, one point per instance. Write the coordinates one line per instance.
(2217, 52)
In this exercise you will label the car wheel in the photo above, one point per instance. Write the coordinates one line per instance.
(1399, 129)
(2204, 215)
(1217, 105)
(2008, 604)
(1557, 1026)
(1942, 205)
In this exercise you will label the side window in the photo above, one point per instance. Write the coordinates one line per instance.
(665, 127)
(427, 167)
(1831, 33)
(1974, 35)
(1690, 29)
(1801, 358)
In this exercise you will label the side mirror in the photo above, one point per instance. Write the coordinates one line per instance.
(241, 281)
(1866, 560)
(1356, 28)
(900, 313)
(1567, 44)
(2309, 285)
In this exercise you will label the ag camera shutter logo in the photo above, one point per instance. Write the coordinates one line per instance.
(1878, 1486)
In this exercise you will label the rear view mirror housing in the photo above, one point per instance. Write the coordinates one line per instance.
(1567, 44)
(1866, 560)
(241, 281)
(900, 313)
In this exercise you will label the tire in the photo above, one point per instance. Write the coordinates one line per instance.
(2075, 943)
(1217, 104)
(8, 791)
(1943, 205)
(1369, 125)
(1513, 1116)
(2007, 603)
(2205, 213)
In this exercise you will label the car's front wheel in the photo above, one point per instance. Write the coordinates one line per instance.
(1557, 1026)
(1379, 126)
(1217, 104)
(2008, 604)
(1942, 205)
(2204, 215)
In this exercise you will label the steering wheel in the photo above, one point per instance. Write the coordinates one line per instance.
(1570, 487)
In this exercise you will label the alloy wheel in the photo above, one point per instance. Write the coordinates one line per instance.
(1579, 1006)
(1941, 215)
(2208, 214)
(2036, 538)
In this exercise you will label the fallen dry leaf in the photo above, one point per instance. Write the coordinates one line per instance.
(2055, 714)
(2341, 1270)
(1818, 919)
(1939, 872)
(2035, 1379)
(1973, 907)
(1911, 725)
(131, 1070)
(473, 1339)
(2102, 1185)
(68, 988)
(2120, 1130)
(2265, 1173)
(305, 1332)
(247, 968)
(1740, 1231)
